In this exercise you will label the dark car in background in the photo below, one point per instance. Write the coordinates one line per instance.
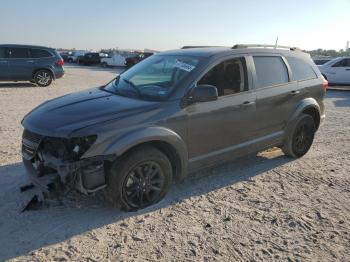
(37, 64)
(89, 59)
(65, 56)
(133, 60)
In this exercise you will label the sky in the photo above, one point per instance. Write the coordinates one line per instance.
(165, 24)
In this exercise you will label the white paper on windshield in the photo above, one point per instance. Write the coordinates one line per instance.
(184, 66)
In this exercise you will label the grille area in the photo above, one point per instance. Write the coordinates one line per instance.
(30, 143)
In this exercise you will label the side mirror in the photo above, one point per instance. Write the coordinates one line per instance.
(204, 93)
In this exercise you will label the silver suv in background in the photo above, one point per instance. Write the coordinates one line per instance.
(37, 64)
(337, 71)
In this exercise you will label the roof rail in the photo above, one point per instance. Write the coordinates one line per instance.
(266, 46)
(198, 46)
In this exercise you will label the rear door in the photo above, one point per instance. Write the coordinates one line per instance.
(341, 72)
(20, 64)
(276, 95)
(3, 64)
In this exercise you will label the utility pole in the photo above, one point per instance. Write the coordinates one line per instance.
(276, 42)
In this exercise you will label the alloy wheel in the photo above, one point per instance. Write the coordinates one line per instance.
(303, 138)
(144, 184)
(43, 78)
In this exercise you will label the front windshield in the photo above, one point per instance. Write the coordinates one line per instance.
(154, 77)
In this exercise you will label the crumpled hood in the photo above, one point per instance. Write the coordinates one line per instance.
(66, 114)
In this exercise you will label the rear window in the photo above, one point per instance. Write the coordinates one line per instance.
(270, 70)
(40, 53)
(301, 69)
(18, 52)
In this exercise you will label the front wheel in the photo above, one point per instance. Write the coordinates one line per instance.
(139, 179)
(300, 137)
(43, 78)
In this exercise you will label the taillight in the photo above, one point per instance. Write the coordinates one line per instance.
(60, 62)
(325, 84)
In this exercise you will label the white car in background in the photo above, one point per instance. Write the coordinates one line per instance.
(337, 71)
(113, 60)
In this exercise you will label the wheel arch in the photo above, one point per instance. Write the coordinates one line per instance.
(307, 106)
(163, 139)
(43, 68)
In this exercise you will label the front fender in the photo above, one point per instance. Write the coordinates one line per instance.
(151, 134)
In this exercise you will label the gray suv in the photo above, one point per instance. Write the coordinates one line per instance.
(40, 65)
(171, 114)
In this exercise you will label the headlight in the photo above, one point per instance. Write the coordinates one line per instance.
(79, 145)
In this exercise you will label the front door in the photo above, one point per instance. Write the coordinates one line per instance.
(221, 129)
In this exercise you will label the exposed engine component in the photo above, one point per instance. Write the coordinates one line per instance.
(53, 162)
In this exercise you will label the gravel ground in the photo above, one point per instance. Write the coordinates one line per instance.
(264, 207)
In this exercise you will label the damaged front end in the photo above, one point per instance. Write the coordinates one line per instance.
(53, 162)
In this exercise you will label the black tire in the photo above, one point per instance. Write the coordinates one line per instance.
(104, 65)
(139, 179)
(300, 137)
(43, 78)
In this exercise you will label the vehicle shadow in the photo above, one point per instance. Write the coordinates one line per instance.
(16, 84)
(28, 231)
(341, 98)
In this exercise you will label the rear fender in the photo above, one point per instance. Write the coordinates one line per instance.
(302, 106)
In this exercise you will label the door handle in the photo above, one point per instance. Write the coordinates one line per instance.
(30, 61)
(295, 92)
(347, 69)
(248, 103)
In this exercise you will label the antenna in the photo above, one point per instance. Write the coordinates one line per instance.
(276, 42)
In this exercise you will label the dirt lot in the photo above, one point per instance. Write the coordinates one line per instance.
(266, 207)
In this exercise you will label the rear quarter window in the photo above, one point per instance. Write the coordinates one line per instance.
(270, 70)
(301, 69)
(40, 53)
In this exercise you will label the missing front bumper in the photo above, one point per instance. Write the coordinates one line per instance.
(86, 175)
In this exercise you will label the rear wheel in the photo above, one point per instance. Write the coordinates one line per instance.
(43, 78)
(104, 64)
(300, 138)
(139, 179)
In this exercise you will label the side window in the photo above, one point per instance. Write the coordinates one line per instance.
(338, 64)
(347, 63)
(18, 52)
(229, 77)
(301, 69)
(39, 53)
(270, 70)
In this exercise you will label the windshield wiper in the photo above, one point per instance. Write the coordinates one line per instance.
(133, 86)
